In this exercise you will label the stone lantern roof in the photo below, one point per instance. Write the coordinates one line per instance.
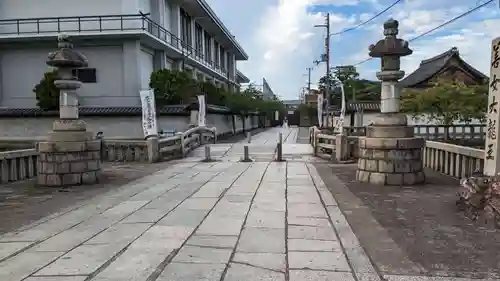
(390, 45)
(66, 57)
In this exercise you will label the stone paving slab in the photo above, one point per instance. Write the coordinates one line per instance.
(223, 220)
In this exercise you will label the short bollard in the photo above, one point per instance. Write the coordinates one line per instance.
(246, 154)
(279, 148)
(249, 137)
(208, 158)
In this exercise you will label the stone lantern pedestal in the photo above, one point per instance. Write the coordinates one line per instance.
(390, 154)
(70, 156)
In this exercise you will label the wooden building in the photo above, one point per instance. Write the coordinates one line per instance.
(446, 65)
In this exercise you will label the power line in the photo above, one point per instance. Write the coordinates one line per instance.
(369, 20)
(439, 26)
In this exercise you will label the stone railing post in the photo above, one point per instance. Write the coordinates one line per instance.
(153, 149)
(390, 154)
(70, 155)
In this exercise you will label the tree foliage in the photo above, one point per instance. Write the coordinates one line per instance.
(447, 101)
(47, 94)
(178, 87)
(354, 87)
(172, 87)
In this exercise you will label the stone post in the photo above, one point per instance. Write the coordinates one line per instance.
(390, 154)
(70, 155)
(492, 156)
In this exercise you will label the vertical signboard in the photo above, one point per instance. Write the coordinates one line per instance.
(320, 110)
(201, 110)
(148, 113)
(491, 161)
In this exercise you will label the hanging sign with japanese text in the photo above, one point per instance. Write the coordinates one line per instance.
(148, 113)
(491, 157)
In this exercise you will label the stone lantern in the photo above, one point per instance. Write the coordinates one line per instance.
(70, 155)
(390, 154)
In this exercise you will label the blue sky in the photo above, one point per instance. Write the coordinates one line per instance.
(281, 40)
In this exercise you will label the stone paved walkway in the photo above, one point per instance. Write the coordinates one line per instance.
(192, 221)
(196, 221)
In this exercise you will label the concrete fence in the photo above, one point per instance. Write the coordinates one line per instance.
(452, 160)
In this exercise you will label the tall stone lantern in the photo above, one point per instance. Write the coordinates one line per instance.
(390, 154)
(70, 155)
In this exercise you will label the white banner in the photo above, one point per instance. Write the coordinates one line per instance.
(201, 111)
(148, 113)
(276, 115)
(320, 110)
(342, 110)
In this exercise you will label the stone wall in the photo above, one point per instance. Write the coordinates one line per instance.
(123, 126)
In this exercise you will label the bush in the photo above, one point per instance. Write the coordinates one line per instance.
(47, 94)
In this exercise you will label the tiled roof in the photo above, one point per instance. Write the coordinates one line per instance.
(358, 106)
(430, 67)
(91, 111)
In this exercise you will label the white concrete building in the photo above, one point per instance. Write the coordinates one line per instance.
(124, 41)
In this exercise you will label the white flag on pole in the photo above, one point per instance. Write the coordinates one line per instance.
(201, 110)
(342, 109)
(149, 125)
(320, 110)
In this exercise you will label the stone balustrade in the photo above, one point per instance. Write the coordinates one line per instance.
(18, 165)
(434, 132)
(124, 151)
(22, 164)
(453, 160)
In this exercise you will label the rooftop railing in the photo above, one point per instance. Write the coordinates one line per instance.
(90, 25)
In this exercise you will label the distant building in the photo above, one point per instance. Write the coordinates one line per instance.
(124, 41)
(311, 97)
(241, 79)
(446, 65)
(292, 104)
(267, 92)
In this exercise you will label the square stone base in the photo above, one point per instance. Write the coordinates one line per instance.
(385, 160)
(68, 163)
(398, 179)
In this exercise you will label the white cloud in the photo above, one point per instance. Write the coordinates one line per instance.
(280, 37)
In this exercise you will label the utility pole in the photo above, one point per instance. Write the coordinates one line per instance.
(309, 78)
(326, 58)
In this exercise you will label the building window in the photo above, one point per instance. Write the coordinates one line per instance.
(86, 75)
(198, 36)
(217, 55)
(186, 34)
(222, 57)
(208, 47)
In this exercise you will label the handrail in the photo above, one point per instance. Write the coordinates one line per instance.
(102, 23)
(184, 142)
(453, 160)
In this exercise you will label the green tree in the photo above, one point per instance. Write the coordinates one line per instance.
(446, 102)
(47, 94)
(173, 87)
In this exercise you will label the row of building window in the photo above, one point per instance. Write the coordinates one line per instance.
(221, 57)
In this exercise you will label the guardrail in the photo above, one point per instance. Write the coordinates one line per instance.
(18, 165)
(90, 25)
(21, 164)
(183, 143)
(124, 150)
(434, 132)
(323, 144)
(453, 160)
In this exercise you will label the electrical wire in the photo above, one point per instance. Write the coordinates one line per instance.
(367, 21)
(439, 26)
